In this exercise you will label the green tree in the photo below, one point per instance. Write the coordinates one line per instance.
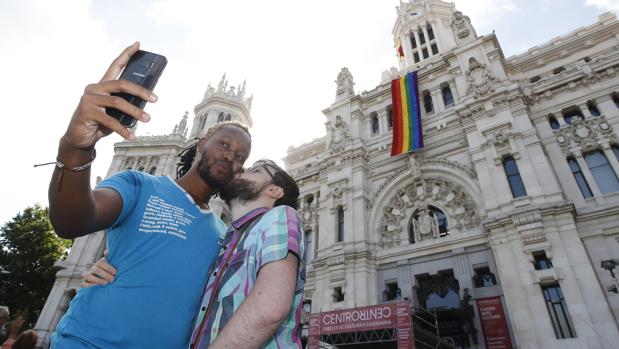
(29, 249)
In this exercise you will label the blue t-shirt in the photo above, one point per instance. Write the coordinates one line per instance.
(162, 245)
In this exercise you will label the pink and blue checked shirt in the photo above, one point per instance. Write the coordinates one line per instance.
(269, 239)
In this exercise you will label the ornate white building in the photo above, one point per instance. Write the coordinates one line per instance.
(157, 155)
(515, 194)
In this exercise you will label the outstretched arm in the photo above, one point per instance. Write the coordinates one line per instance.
(74, 208)
(267, 305)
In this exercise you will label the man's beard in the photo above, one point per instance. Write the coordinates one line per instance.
(204, 170)
(241, 191)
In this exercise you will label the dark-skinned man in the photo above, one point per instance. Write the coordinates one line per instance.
(154, 225)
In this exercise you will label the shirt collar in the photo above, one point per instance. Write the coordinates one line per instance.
(237, 224)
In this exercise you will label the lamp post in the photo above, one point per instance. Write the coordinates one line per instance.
(610, 266)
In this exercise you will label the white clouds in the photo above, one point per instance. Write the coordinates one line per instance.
(609, 5)
(485, 12)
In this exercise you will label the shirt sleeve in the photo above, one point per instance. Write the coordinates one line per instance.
(284, 234)
(127, 184)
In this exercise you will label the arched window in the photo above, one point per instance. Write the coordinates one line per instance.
(220, 118)
(309, 199)
(602, 172)
(448, 98)
(593, 109)
(228, 117)
(375, 128)
(389, 117)
(513, 177)
(580, 178)
(141, 169)
(427, 102)
(152, 170)
(554, 124)
(430, 32)
(340, 224)
(570, 113)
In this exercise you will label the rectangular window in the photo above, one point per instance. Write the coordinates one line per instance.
(557, 309)
(338, 296)
(483, 277)
(434, 48)
(416, 57)
(392, 291)
(604, 175)
(616, 151)
(513, 177)
(425, 52)
(389, 117)
(422, 39)
(580, 178)
(340, 224)
(308, 253)
(541, 261)
(413, 42)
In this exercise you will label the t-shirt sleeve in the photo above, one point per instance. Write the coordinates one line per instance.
(127, 185)
(284, 234)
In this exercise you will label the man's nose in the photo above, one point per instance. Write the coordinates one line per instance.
(228, 155)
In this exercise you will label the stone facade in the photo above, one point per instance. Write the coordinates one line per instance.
(157, 155)
(415, 222)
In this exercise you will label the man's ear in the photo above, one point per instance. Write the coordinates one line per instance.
(275, 192)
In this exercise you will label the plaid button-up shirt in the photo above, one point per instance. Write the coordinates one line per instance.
(243, 253)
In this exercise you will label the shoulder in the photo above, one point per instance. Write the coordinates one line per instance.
(129, 177)
(283, 213)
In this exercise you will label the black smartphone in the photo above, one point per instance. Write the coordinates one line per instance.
(144, 68)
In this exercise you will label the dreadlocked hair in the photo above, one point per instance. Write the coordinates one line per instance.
(188, 154)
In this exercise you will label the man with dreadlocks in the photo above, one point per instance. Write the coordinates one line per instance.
(252, 298)
(154, 225)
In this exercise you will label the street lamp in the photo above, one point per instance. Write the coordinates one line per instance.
(610, 266)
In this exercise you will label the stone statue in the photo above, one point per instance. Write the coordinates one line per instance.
(344, 84)
(414, 165)
(425, 225)
(461, 25)
(479, 79)
(223, 84)
(339, 133)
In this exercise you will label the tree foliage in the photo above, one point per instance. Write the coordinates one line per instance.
(29, 249)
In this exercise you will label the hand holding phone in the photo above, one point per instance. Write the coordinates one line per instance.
(144, 69)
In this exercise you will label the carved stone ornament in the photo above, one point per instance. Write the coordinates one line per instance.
(345, 84)
(459, 208)
(461, 25)
(336, 195)
(479, 79)
(338, 134)
(425, 226)
(584, 135)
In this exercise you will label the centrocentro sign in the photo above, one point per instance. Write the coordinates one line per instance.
(358, 319)
(395, 315)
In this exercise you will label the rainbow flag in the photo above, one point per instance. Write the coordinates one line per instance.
(406, 114)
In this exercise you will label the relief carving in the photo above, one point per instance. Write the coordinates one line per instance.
(479, 79)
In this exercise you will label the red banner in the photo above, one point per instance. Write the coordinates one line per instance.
(374, 317)
(493, 323)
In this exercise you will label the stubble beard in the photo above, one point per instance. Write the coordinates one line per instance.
(204, 170)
